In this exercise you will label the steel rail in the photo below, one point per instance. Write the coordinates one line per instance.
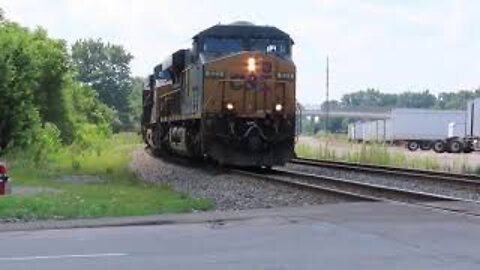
(468, 179)
(417, 199)
(344, 187)
(305, 186)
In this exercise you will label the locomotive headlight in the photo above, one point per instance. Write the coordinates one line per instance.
(252, 64)
(229, 106)
(278, 107)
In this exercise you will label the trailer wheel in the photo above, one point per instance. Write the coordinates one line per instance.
(455, 146)
(426, 145)
(413, 145)
(439, 146)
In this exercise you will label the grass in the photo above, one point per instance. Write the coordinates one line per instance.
(377, 154)
(119, 194)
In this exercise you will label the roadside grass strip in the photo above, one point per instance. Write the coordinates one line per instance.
(119, 193)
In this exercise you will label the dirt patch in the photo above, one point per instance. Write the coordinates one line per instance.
(30, 191)
(80, 179)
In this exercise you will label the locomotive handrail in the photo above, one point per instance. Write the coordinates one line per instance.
(243, 80)
(169, 93)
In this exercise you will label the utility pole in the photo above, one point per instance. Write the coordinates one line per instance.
(327, 104)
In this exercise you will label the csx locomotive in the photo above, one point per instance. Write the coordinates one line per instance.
(230, 98)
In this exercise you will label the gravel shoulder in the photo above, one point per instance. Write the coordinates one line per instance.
(229, 191)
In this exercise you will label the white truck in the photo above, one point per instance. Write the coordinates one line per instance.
(463, 136)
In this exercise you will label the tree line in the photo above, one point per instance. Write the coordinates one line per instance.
(52, 93)
(374, 99)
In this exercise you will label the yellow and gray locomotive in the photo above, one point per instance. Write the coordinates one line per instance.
(230, 98)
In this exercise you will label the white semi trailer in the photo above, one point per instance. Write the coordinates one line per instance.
(417, 128)
(358, 131)
(374, 131)
(351, 131)
(420, 128)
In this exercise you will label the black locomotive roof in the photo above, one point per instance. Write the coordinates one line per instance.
(242, 30)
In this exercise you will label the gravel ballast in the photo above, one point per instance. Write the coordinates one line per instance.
(452, 189)
(229, 191)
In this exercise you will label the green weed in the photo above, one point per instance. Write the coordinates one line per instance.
(118, 194)
(371, 154)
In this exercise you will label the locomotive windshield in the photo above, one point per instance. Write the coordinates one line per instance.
(221, 46)
(270, 46)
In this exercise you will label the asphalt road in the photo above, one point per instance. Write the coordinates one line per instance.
(361, 236)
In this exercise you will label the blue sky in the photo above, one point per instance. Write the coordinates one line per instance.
(390, 45)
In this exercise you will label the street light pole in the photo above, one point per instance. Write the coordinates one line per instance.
(327, 104)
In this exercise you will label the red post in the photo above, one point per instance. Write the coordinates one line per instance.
(3, 179)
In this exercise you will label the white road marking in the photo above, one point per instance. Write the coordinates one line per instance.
(59, 257)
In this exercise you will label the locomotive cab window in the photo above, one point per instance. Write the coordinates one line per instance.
(280, 47)
(164, 76)
(222, 45)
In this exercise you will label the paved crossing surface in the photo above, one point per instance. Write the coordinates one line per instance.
(343, 236)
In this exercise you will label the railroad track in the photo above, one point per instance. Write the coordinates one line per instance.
(344, 187)
(357, 191)
(465, 179)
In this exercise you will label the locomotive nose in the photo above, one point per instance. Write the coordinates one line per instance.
(255, 143)
(254, 136)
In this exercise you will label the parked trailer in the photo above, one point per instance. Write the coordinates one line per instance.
(374, 131)
(351, 131)
(370, 131)
(421, 128)
(359, 131)
(418, 128)
(381, 130)
(463, 136)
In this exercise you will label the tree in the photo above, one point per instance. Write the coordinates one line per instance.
(84, 107)
(136, 106)
(332, 105)
(51, 65)
(456, 100)
(105, 68)
(38, 91)
(368, 98)
(374, 98)
(416, 100)
(20, 70)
